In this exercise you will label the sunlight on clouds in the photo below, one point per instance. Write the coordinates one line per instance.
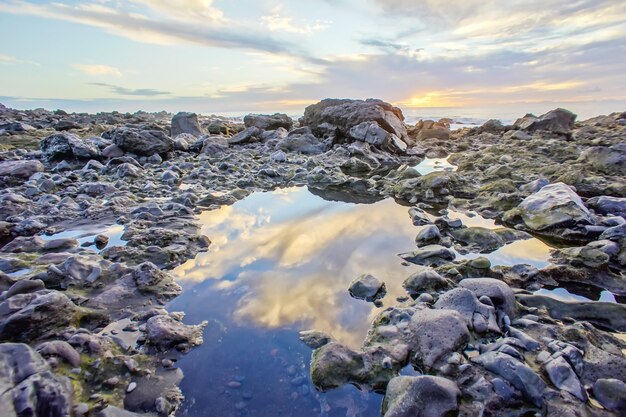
(279, 23)
(98, 69)
(7, 59)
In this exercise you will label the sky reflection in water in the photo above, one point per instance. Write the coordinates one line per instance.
(281, 262)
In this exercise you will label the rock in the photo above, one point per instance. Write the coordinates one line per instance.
(278, 156)
(498, 292)
(429, 255)
(608, 205)
(611, 393)
(183, 142)
(534, 186)
(420, 396)
(516, 373)
(424, 281)
(20, 169)
(25, 317)
(367, 287)
(247, 135)
(564, 378)
(428, 129)
(608, 160)
(65, 125)
(28, 387)
(65, 145)
(268, 122)
(183, 122)
(165, 332)
(334, 365)
(479, 239)
(435, 334)
(341, 116)
(61, 349)
(314, 338)
(558, 121)
(112, 411)
(142, 141)
(304, 143)
(555, 205)
(112, 151)
(427, 234)
(478, 316)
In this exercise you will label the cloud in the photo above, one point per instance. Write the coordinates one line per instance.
(145, 92)
(8, 59)
(166, 28)
(98, 69)
(278, 23)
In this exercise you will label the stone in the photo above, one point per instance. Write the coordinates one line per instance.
(314, 338)
(61, 349)
(268, 121)
(247, 135)
(479, 239)
(304, 143)
(558, 121)
(498, 292)
(608, 205)
(278, 156)
(20, 169)
(142, 141)
(516, 373)
(435, 334)
(112, 151)
(429, 255)
(165, 332)
(61, 146)
(423, 281)
(184, 122)
(427, 234)
(555, 205)
(564, 378)
(420, 396)
(611, 393)
(608, 160)
(28, 387)
(478, 316)
(367, 287)
(334, 365)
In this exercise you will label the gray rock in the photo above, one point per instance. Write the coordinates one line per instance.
(268, 122)
(498, 291)
(304, 143)
(608, 160)
(427, 234)
(424, 280)
(429, 255)
(420, 396)
(611, 393)
(554, 205)
(367, 287)
(564, 378)
(334, 365)
(28, 387)
(534, 186)
(112, 151)
(608, 205)
(314, 338)
(247, 135)
(165, 332)
(278, 156)
(67, 146)
(435, 334)
(480, 239)
(478, 316)
(20, 169)
(183, 122)
(61, 349)
(516, 373)
(557, 121)
(142, 141)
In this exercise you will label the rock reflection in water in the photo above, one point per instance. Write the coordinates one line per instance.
(429, 165)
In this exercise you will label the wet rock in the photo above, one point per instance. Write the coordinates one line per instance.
(67, 146)
(436, 333)
(84, 268)
(516, 373)
(420, 396)
(28, 387)
(268, 122)
(184, 122)
(608, 205)
(155, 393)
(424, 281)
(20, 169)
(611, 393)
(554, 205)
(367, 287)
(558, 121)
(498, 292)
(429, 255)
(427, 234)
(165, 332)
(315, 338)
(61, 349)
(480, 239)
(478, 316)
(142, 141)
(564, 378)
(334, 365)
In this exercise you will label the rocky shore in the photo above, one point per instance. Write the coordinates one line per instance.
(84, 331)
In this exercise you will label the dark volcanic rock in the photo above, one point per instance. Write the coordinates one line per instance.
(268, 122)
(186, 123)
(20, 169)
(67, 146)
(557, 121)
(420, 396)
(142, 142)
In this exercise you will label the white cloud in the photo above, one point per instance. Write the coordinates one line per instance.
(279, 23)
(8, 59)
(98, 69)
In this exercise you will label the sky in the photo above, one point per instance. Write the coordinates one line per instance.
(238, 56)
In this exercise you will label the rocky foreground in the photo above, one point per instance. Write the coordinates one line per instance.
(84, 331)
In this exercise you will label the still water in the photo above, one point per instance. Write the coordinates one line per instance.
(281, 262)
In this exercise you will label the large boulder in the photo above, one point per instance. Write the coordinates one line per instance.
(429, 129)
(420, 396)
(20, 169)
(65, 145)
(268, 121)
(558, 121)
(184, 122)
(373, 121)
(28, 387)
(142, 141)
(553, 205)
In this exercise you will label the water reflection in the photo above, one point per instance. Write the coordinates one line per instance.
(87, 233)
(281, 262)
(429, 165)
